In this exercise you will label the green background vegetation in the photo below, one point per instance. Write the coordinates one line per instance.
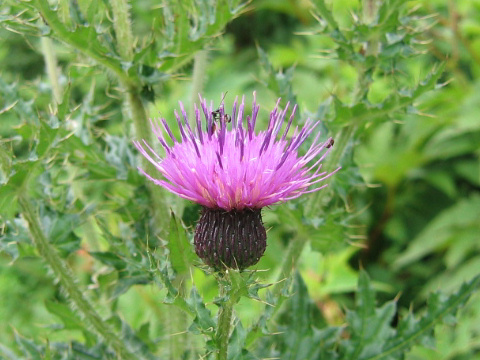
(406, 206)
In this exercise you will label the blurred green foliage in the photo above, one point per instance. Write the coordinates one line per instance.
(396, 84)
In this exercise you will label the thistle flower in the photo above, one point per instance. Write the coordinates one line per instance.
(234, 172)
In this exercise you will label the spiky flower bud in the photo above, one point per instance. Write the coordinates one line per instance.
(232, 239)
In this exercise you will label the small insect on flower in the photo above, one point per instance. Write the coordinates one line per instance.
(234, 172)
(219, 115)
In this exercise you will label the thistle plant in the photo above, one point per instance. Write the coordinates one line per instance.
(234, 173)
(151, 235)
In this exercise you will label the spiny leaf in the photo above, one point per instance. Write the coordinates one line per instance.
(203, 321)
(368, 327)
(411, 331)
(236, 350)
(24, 109)
(173, 296)
(371, 334)
(363, 112)
(279, 82)
(83, 38)
(28, 347)
(181, 251)
(110, 259)
(195, 25)
(297, 323)
(23, 24)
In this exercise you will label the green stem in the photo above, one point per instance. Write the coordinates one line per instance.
(223, 332)
(122, 26)
(198, 77)
(142, 131)
(123, 31)
(68, 281)
(223, 329)
(369, 10)
(52, 71)
(224, 323)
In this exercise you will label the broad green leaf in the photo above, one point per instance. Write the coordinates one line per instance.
(442, 230)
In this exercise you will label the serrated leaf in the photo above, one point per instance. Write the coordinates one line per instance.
(259, 328)
(14, 238)
(363, 112)
(203, 322)
(369, 327)
(82, 37)
(297, 335)
(297, 324)
(127, 281)
(24, 109)
(28, 347)
(236, 350)
(279, 82)
(109, 258)
(190, 28)
(135, 343)
(181, 251)
(411, 331)
(23, 23)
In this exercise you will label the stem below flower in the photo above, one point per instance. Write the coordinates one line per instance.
(69, 283)
(224, 322)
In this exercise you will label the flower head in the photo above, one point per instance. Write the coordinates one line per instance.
(229, 168)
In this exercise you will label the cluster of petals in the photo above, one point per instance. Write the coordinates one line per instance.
(223, 163)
